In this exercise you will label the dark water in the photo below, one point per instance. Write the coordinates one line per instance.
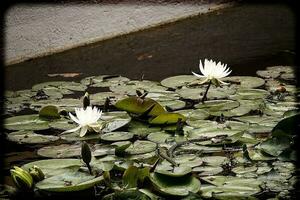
(246, 37)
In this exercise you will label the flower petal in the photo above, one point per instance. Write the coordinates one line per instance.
(71, 130)
(74, 118)
(83, 131)
(198, 75)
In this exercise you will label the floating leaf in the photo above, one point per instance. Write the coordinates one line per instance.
(116, 136)
(177, 186)
(169, 170)
(245, 81)
(134, 105)
(218, 105)
(130, 177)
(26, 122)
(60, 151)
(130, 87)
(49, 112)
(29, 137)
(141, 147)
(167, 118)
(178, 81)
(69, 182)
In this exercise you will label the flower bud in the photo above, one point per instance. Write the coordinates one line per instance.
(86, 153)
(36, 173)
(22, 179)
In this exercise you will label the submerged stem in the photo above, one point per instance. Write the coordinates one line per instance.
(205, 94)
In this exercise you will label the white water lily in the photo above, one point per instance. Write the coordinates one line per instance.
(213, 71)
(86, 119)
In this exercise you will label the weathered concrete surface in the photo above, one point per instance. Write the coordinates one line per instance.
(35, 30)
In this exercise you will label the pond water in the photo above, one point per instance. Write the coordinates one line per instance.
(233, 145)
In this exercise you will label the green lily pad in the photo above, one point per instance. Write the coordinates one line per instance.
(163, 96)
(62, 124)
(167, 118)
(52, 167)
(60, 151)
(173, 104)
(142, 129)
(134, 105)
(178, 81)
(214, 160)
(228, 187)
(26, 122)
(103, 80)
(75, 137)
(242, 169)
(67, 104)
(49, 112)
(218, 105)
(141, 147)
(281, 69)
(100, 98)
(250, 94)
(245, 106)
(173, 171)
(117, 136)
(268, 74)
(177, 186)
(208, 170)
(69, 182)
(29, 137)
(283, 106)
(213, 93)
(275, 146)
(245, 81)
(70, 85)
(159, 137)
(130, 87)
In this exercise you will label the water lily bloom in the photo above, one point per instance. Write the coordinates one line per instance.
(86, 119)
(213, 72)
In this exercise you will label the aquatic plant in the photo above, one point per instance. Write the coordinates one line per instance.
(86, 119)
(212, 72)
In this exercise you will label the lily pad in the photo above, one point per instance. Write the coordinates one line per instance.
(173, 171)
(159, 137)
(69, 182)
(268, 74)
(134, 105)
(173, 104)
(167, 118)
(103, 80)
(29, 137)
(218, 105)
(130, 87)
(116, 136)
(177, 186)
(178, 81)
(49, 112)
(26, 122)
(245, 81)
(60, 151)
(141, 147)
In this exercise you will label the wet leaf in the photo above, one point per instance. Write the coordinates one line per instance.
(134, 105)
(167, 118)
(178, 81)
(26, 122)
(29, 137)
(141, 147)
(117, 136)
(49, 112)
(177, 186)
